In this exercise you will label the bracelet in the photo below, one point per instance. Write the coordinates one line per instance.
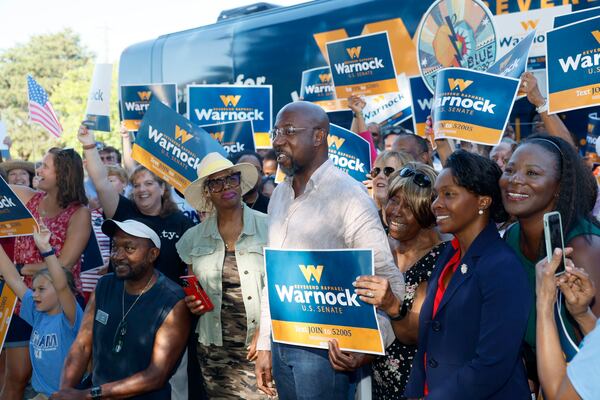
(357, 115)
(19, 267)
(96, 392)
(89, 146)
(543, 108)
(48, 253)
(402, 312)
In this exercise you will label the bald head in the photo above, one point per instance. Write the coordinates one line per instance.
(311, 112)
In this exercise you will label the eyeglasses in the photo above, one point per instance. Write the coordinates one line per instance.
(286, 131)
(419, 178)
(387, 171)
(218, 185)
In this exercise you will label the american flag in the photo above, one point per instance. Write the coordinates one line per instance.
(40, 109)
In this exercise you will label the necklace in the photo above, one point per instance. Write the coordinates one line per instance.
(122, 327)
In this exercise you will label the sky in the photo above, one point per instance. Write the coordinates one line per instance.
(107, 27)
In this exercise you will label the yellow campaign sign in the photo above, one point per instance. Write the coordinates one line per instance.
(8, 300)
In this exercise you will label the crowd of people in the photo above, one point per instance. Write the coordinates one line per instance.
(468, 302)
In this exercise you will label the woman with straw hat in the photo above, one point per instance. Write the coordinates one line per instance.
(19, 172)
(226, 254)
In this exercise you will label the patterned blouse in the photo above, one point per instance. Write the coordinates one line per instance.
(391, 372)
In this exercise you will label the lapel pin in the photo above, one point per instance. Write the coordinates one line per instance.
(464, 268)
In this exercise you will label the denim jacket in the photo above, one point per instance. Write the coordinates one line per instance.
(203, 248)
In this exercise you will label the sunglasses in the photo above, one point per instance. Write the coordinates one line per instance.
(219, 184)
(387, 171)
(419, 178)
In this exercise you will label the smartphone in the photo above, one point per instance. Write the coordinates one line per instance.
(192, 287)
(553, 235)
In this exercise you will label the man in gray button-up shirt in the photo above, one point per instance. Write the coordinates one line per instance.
(317, 207)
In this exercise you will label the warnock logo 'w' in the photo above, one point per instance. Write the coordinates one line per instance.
(325, 78)
(218, 136)
(596, 35)
(354, 52)
(460, 83)
(530, 24)
(145, 96)
(182, 135)
(333, 140)
(310, 271)
(230, 100)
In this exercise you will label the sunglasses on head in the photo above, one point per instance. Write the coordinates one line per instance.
(419, 178)
(218, 185)
(387, 171)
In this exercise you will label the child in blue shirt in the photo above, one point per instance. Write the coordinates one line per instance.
(51, 309)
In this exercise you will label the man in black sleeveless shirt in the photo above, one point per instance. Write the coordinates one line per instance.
(135, 327)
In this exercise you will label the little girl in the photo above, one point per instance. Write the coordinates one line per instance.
(51, 309)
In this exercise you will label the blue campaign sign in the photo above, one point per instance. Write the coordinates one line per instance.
(235, 137)
(362, 65)
(171, 146)
(422, 101)
(317, 87)
(349, 152)
(91, 257)
(135, 100)
(576, 16)
(312, 300)
(212, 104)
(471, 105)
(15, 218)
(573, 66)
(514, 62)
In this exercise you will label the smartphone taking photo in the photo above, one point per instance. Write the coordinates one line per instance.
(553, 236)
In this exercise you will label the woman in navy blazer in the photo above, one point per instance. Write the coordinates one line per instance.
(474, 317)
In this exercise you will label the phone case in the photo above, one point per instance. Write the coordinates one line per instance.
(192, 287)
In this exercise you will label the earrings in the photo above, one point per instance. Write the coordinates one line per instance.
(480, 212)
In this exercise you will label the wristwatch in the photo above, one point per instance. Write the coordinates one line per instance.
(543, 108)
(96, 392)
(402, 312)
(48, 253)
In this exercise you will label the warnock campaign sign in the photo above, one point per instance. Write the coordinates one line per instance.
(382, 107)
(171, 146)
(569, 18)
(471, 105)
(421, 104)
(235, 137)
(312, 299)
(514, 63)
(573, 71)
(317, 87)
(212, 104)
(8, 300)
(135, 100)
(349, 152)
(514, 27)
(593, 131)
(362, 65)
(98, 105)
(15, 218)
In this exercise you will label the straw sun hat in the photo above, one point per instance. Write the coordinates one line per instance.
(18, 164)
(197, 195)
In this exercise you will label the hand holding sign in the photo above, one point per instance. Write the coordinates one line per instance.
(529, 87)
(376, 290)
(85, 136)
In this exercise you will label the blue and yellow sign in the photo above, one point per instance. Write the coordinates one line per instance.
(362, 65)
(576, 16)
(135, 100)
(421, 104)
(15, 218)
(349, 152)
(8, 300)
(312, 299)
(317, 87)
(235, 137)
(212, 104)
(573, 66)
(171, 146)
(514, 62)
(471, 105)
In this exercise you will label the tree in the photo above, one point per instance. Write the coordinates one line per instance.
(64, 67)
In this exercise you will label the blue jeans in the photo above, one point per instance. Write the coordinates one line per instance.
(304, 373)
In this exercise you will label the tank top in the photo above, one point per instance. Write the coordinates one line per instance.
(143, 321)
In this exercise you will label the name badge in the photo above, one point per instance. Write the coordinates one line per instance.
(101, 317)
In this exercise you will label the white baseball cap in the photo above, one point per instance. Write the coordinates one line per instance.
(131, 227)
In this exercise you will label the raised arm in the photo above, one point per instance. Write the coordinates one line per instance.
(553, 123)
(128, 162)
(108, 196)
(66, 298)
(11, 275)
(357, 104)
(80, 353)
